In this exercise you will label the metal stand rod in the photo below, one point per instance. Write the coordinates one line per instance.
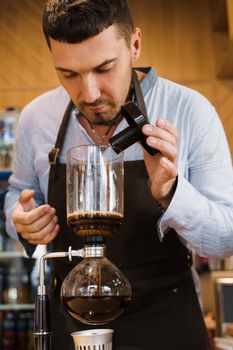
(42, 328)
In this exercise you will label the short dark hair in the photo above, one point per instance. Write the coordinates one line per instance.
(74, 21)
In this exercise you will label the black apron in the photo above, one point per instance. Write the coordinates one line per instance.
(164, 313)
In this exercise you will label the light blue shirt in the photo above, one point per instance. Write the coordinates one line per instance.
(201, 210)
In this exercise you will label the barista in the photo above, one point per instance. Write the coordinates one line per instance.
(94, 46)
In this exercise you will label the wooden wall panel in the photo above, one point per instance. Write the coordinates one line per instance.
(173, 41)
(26, 66)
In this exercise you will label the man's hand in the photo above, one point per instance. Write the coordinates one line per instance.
(162, 168)
(38, 225)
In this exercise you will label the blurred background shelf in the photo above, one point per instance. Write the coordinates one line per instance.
(5, 256)
(5, 174)
(16, 307)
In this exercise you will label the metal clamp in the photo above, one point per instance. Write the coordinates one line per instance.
(53, 154)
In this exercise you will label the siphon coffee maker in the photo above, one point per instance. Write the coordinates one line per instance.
(95, 292)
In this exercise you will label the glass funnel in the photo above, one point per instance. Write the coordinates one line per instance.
(95, 190)
(95, 291)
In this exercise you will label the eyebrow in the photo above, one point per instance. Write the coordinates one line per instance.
(62, 69)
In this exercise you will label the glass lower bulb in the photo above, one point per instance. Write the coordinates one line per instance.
(95, 291)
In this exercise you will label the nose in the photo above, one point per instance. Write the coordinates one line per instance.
(90, 91)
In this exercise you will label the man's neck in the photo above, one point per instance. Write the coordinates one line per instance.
(100, 134)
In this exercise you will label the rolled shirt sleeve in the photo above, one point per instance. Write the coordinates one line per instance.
(201, 210)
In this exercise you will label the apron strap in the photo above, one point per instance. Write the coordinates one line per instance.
(54, 153)
(138, 93)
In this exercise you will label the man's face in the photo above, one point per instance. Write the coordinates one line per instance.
(96, 73)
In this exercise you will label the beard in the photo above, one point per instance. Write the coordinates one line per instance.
(101, 120)
(107, 117)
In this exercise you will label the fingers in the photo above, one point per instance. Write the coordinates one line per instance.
(42, 231)
(163, 137)
(162, 168)
(170, 169)
(36, 219)
(169, 127)
(28, 218)
(37, 226)
(43, 237)
(26, 199)
(26, 195)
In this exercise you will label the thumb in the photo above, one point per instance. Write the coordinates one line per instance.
(26, 200)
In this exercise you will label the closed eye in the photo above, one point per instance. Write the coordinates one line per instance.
(70, 75)
(103, 69)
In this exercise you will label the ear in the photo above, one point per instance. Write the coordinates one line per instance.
(136, 44)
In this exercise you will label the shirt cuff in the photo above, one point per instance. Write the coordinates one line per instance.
(180, 211)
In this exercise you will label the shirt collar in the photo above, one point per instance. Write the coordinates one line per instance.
(150, 79)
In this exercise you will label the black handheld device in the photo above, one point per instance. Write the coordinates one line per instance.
(133, 133)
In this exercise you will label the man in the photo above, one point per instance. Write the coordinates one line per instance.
(180, 198)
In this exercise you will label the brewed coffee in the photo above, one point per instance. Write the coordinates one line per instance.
(95, 222)
(96, 310)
